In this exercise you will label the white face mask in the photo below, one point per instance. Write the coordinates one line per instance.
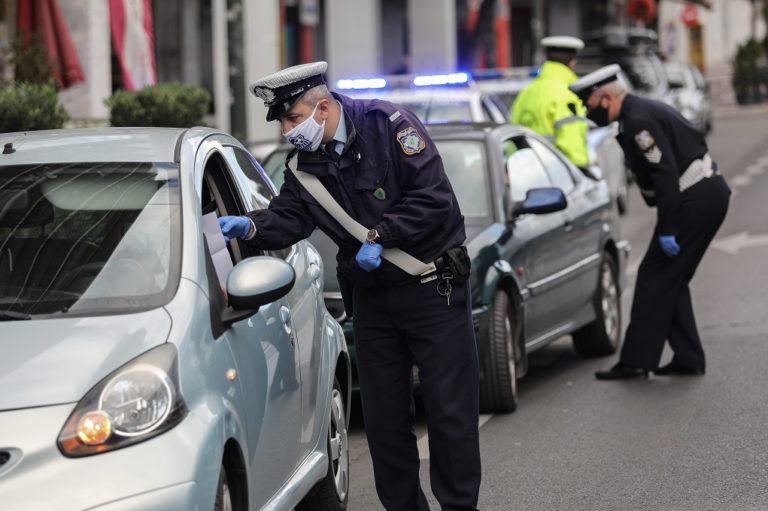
(307, 135)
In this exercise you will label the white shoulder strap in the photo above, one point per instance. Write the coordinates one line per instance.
(402, 260)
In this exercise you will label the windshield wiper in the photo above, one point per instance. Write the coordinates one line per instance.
(13, 316)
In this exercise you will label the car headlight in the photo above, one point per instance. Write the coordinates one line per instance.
(133, 404)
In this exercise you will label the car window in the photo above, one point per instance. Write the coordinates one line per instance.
(274, 166)
(436, 111)
(261, 190)
(89, 238)
(465, 164)
(558, 171)
(524, 171)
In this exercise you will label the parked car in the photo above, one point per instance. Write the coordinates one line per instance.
(636, 51)
(436, 98)
(144, 363)
(690, 93)
(605, 154)
(537, 274)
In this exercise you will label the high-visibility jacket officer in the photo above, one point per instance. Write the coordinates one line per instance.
(547, 106)
(378, 163)
(675, 173)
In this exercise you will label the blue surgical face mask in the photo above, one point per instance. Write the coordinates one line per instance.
(308, 135)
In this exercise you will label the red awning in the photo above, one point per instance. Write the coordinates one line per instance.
(43, 19)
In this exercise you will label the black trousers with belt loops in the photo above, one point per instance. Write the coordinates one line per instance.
(661, 308)
(394, 329)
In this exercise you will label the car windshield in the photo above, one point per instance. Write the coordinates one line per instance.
(88, 238)
(465, 165)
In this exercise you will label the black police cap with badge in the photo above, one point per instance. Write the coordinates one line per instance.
(589, 83)
(281, 90)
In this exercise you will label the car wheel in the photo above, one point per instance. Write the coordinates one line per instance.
(601, 337)
(223, 495)
(498, 384)
(332, 492)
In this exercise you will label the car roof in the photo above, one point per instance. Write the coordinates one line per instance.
(473, 130)
(91, 144)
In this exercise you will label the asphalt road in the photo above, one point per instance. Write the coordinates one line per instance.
(686, 443)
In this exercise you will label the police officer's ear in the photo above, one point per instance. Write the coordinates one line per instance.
(324, 108)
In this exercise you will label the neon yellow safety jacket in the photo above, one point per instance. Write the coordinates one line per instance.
(547, 107)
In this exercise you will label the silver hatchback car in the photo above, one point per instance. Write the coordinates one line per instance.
(145, 363)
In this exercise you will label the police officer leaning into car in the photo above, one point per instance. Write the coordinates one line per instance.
(547, 106)
(675, 173)
(379, 164)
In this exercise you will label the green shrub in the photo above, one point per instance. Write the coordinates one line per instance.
(30, 106)
(170, 105)
(747, 69)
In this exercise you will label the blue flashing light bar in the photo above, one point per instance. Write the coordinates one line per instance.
(362, 83)
(442, 79)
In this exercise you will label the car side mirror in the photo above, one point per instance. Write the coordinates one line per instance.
(541, 200)
(254, 282)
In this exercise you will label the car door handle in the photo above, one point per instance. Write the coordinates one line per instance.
(568, 225)
(285, 314)
(314, 271)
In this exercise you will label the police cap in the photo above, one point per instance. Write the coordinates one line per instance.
(589, 83)
(562, 42)
(281, 90)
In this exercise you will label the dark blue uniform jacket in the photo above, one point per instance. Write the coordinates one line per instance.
(390, 177)
(659, 145)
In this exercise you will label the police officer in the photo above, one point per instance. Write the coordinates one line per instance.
(379, 164)
(675, 173)
(547, 106)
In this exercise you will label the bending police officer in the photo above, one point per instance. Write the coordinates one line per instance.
(547, 106)
(675, 173)
(377, 161)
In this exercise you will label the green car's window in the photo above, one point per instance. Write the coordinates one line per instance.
(88, 238)
(274, 166)
(556, 168)
(465, 165)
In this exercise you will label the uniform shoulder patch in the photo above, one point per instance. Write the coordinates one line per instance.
(644, 140)
(410, 140)
(653, 155)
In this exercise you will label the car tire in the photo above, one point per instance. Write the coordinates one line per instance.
(498, 383)
(332, 492)
(223, 500)
(602, 336)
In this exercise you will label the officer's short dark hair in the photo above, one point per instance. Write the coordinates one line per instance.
(560, 55)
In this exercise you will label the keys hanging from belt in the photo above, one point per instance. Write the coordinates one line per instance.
(444, 287)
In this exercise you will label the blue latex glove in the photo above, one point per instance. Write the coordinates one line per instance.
(369, 256)
(234, 226)
(669, 245)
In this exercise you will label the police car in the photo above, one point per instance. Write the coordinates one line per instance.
(434, 98)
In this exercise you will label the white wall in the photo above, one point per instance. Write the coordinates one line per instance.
(353, 38)
(88, 22)
(432, 33)
(726, 25)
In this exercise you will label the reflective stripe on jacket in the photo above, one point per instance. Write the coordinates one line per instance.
(547, 107)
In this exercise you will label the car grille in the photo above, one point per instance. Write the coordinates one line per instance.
(4, 457)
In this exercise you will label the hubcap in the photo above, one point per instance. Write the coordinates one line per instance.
(610, 303)
(338, 440)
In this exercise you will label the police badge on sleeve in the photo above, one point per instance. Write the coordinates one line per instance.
(411, 141)
(647, 145)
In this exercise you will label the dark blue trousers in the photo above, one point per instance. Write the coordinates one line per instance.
(661, 308)
(394, 329)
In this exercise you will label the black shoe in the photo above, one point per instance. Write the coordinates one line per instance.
(675, 369)
(622, 372)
